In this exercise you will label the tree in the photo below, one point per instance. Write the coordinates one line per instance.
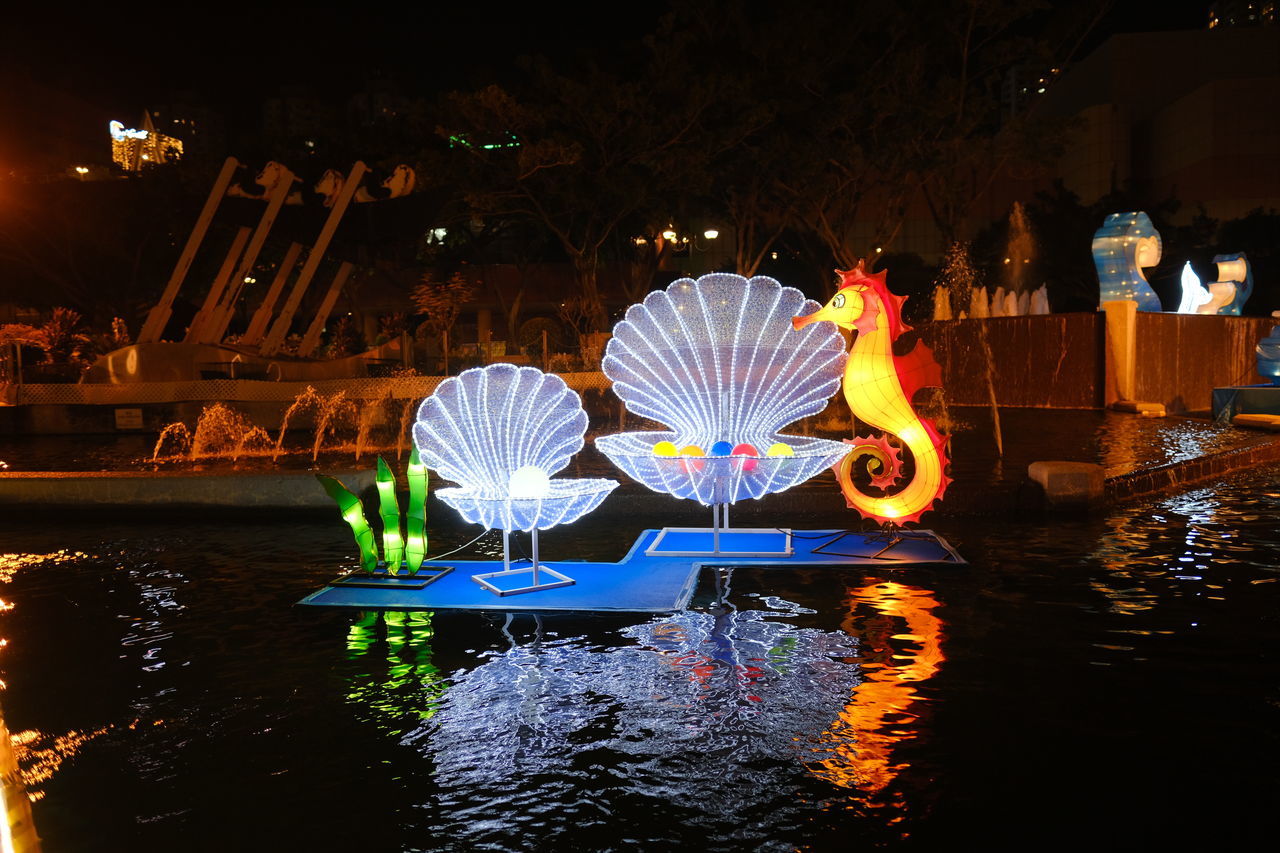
(984, 74)
(102, 247)
(578, 153)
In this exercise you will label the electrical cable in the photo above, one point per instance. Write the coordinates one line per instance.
(460, 548)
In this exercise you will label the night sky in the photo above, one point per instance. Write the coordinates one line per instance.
(64, 73)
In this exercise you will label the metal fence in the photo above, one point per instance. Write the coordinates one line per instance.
(137, 393)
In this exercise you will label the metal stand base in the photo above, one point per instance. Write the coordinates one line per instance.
(382, 580)
(717, 548)
(535, 571)
(892, 537)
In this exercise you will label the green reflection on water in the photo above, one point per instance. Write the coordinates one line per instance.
(409, 688)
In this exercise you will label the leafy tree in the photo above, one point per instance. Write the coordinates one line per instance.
(103, 247)
(578, 153)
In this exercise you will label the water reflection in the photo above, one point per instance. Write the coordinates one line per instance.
(1126, 443)
(728, 721)
(1179, 561)
(409, 688)
(878, 716)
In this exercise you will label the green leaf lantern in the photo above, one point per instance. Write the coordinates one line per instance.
(415, 522)
(353, 514)
(392, 541)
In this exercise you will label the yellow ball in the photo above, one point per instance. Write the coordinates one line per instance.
(665, 448)
(692, 450)
(780, 449)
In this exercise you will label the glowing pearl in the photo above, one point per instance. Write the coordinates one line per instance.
(721, 448)
(529, 482)
(780, 449)
(665, 448)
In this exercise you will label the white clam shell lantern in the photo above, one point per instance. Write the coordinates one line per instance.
(718, 362)
(501, 432)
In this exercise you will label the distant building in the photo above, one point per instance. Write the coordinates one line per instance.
(1192, 115)
(1244, 13)
(133, 149)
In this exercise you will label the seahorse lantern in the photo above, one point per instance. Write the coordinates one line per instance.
(878, 387)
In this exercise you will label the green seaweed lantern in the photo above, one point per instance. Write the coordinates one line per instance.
(353, 514)
(415, 521)
(392, 541)
(398, 551)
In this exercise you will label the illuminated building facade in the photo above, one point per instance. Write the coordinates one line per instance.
(133, 149)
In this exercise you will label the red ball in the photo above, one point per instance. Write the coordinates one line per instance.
(747, 450)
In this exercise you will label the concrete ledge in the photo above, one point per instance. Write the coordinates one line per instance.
(1069, 485)
(1266, 422)
(292, 490)
(1146, 410)
(1180, 475)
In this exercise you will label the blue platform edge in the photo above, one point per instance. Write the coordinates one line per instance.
(1245, 400)
(639, 583)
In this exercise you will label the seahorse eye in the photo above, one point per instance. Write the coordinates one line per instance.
(838, 302)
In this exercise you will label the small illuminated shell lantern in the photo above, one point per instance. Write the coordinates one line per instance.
(717, 362)
(501, 432)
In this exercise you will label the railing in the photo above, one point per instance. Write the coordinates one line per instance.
(136, 393)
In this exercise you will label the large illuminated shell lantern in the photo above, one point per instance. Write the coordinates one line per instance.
(502, 432)
(717, 362)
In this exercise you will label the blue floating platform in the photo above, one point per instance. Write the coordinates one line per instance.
(1246, 400)
(641, 583)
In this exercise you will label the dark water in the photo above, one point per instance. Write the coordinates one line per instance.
(1109, 683)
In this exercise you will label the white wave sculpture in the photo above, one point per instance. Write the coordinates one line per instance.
(501, 432)
(717, 362)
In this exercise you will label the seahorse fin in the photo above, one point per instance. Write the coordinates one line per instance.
(917, 369)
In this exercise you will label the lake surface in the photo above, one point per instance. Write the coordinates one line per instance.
(1085, 683)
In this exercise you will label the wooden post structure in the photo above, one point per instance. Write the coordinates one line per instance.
(261, 317)
(205, 315)
(276, 196)
(311, 339)
(153, 328)
(274, 338)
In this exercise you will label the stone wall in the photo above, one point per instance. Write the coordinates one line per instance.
(1058, 361)
(1043, 361)
(1183, 357)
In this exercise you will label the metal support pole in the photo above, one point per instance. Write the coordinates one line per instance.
(535, 556)
(271, 343)
(206, 315)
(311, 339)
(276, 196)
(506, 550)
(159, 315)
(715, 528)
(258, 325)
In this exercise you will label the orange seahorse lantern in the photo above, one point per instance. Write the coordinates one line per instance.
(878, 387)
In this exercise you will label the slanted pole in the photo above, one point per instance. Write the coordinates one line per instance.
(271, 343)
(158, 317)
(205, 315)
(262, 316)
(275, 200)
(311, 339)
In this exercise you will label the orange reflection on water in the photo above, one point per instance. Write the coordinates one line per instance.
(11, 563)
(859, 743)
(39, 755)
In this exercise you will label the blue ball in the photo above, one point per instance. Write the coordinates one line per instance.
(721, 448)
